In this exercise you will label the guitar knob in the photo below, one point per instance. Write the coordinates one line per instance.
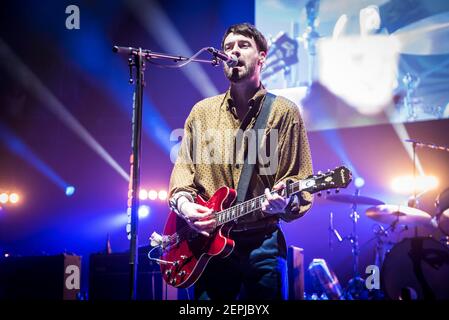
(175, 263)
(337, 190)
(181, 273)
(168, 272)
(328, 192)
(173, 281)
(319, 194)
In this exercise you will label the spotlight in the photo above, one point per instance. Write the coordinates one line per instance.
(152, 194)
(407, 184)
(143, 194)
(359, 182)
(144, 211)
(4, 197)
(69, 191)
(162, 195)
(13, 198)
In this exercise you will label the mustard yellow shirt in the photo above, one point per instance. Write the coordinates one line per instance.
(210, 157)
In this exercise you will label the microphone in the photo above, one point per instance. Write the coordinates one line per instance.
(231, 60)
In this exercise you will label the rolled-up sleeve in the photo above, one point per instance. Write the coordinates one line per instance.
(182, 179)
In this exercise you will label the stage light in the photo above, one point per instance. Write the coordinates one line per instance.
(407, 185)
(143, 194)
(69, 191)
(4, 197)
(13, 198)
(162, 195)
(144, 211)
(359, 182)
(152, 194)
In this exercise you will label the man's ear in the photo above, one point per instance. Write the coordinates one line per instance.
(262, 57)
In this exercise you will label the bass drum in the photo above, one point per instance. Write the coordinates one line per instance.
(416, 268)
(442, 206)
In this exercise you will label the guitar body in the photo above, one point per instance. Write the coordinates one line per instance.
(191, 251)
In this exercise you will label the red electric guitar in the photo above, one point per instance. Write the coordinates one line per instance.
(185, 252)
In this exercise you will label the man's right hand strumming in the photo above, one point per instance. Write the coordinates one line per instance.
(199, 218)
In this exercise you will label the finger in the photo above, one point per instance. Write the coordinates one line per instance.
(204, 209)
(199, 230)
(265, 205)
(268, 194)
(194, 216)
(279, 186)
(204, 224)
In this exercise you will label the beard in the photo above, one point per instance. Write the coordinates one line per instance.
(239, 74)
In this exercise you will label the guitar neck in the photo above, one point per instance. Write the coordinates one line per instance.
(255, 204)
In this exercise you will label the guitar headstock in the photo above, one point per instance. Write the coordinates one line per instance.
(337, 178)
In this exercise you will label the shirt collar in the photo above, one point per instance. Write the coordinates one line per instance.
(254, 101)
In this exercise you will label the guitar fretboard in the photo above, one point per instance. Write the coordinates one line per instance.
(255, 204)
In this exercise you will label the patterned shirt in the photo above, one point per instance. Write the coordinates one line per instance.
(211, 157)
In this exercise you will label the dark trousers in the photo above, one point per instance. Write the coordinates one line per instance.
(255, 270)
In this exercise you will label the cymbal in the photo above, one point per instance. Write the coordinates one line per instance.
(400, 214)
(349, 198)
(426, 36)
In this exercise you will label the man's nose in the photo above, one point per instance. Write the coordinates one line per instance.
(236, 51)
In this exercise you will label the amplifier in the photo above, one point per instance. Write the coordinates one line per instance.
(109, 278)
(40, 277)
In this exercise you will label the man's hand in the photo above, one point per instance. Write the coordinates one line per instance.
(275, 203)
(198, 217)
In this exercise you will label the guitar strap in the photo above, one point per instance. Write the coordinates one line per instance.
(248, 168)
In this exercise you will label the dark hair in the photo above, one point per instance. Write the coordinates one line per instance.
(250, 31)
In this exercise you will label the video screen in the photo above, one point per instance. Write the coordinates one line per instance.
(353, 63)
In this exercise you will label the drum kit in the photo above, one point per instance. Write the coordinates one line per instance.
(413, 268)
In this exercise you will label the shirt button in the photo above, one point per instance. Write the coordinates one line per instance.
(237, 166)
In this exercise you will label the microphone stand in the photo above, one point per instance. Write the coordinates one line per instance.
(136, 60)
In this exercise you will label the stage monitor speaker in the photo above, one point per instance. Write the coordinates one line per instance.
(55, 277)
(109, 278)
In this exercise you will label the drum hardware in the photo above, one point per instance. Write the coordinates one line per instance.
(356, 286)
(441, 219)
